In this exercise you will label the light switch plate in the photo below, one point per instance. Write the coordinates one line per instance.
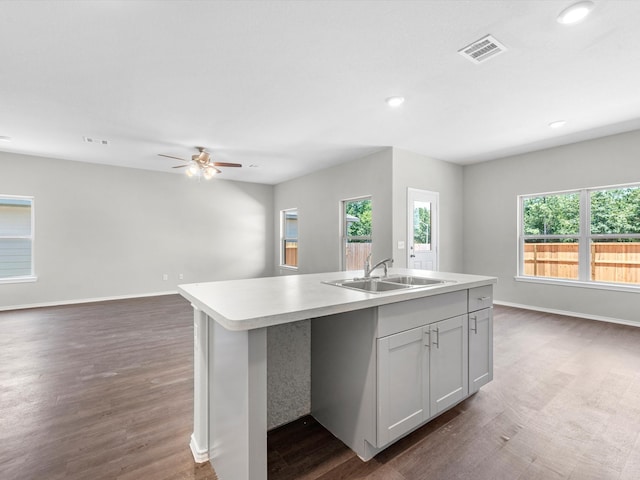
(400, 244)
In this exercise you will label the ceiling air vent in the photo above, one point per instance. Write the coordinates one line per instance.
(482, 50)
(95, 141)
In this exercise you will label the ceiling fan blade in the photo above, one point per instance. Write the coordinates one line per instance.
(171, 156)
(226, 164)
(180, 166)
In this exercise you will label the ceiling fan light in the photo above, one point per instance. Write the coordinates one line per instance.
(575, 13)
(193, 169)
(209, 172)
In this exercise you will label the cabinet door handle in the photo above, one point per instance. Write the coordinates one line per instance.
(475, 324)
(436, 342)
(426, 337)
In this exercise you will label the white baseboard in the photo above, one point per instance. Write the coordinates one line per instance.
(598, 318)
(200, 455)
(85, 300)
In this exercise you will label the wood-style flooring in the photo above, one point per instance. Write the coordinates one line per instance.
(564, 404)
(98, 391)
(105, 391)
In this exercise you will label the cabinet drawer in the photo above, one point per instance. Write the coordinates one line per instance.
(397, 317)
(480, 297)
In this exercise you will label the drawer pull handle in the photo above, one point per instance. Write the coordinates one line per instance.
(482, 299)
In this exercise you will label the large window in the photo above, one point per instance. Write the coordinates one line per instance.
(289, 238)
(356, 232)
(588, 235)
(16, 239)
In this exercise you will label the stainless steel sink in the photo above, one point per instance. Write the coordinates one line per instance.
(386, 284)
(372, 285)
(410, 280)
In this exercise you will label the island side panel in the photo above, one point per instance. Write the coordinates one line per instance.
(238, 403)
(343, 374)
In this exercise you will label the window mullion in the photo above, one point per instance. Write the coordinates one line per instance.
(584, 249)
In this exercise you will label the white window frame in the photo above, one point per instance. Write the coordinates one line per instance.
(584, 238)
(31, 277)
(284, 238)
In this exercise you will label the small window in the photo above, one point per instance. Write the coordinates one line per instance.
(356, 228)
(289, 238)
(590, 235)
(16, 239)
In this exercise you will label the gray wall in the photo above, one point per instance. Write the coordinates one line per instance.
(411, 170)
(103, 231)
(490, 218)
(318, 197)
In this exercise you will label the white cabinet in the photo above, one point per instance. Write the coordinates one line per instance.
(381, 372)
(448, 372)
(480, 348)
(403, 383)
(421, 372)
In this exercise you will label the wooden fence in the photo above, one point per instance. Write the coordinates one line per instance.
(291, 254)
(610, 262)
(356, 254)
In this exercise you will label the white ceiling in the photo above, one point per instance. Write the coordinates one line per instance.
(296, 86)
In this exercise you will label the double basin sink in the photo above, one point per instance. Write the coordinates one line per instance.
(387, 284)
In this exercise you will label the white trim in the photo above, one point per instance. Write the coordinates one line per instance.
(567, 313)
(618, 287)
(21, 279)
(85, 300)
(200, 455)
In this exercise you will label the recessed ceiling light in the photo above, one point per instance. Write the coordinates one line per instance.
(558, 124)
(575, 13)
(5, 139)
(395, 101)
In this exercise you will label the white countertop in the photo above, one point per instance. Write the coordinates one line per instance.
(263, 302)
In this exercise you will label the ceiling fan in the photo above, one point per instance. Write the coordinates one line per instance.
(201, 164)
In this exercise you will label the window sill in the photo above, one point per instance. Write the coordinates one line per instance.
(25, 279)
(287, 267)
(619, 287)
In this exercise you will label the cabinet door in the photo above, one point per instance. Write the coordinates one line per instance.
(403, 384)
(449, 367)
(480, 349)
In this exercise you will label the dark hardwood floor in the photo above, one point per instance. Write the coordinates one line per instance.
(98, 391)
(564, 404)
(105, 391)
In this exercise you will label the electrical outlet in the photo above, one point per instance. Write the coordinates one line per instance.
(181, 277)
(165, 276)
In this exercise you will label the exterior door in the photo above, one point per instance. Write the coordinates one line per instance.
(422, 223)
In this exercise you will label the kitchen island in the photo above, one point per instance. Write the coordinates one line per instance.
(414, 343)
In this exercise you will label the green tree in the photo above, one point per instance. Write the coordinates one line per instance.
(422, 225)
(552, 215)
(362, 210)
(615, 211)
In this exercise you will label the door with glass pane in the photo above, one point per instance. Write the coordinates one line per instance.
(422, 245)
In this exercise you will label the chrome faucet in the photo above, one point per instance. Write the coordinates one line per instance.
(382, 263)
